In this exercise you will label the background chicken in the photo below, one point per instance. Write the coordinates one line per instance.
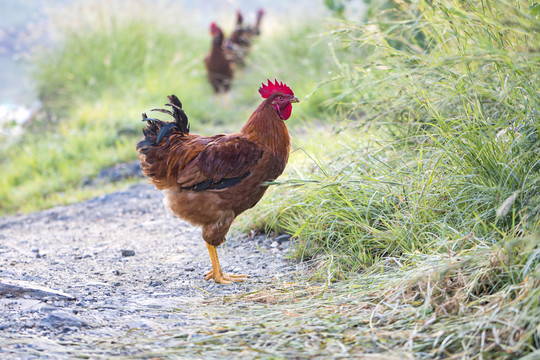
(209, 181)
(255, 30)
(218, 67)
(239, 43)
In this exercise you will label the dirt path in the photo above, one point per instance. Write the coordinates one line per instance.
(110, 266)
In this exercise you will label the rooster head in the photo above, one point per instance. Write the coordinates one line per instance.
(280, 97)
(239, 18)
(214, 29)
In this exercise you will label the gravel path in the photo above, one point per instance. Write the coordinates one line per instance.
(111, 265)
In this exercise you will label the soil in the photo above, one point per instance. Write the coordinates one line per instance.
(114, 264)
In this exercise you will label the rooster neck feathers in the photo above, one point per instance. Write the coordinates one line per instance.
(266, 128)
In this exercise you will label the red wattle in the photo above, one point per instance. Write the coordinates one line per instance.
(286, 112)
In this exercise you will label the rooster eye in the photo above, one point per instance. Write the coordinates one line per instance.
(280, 97)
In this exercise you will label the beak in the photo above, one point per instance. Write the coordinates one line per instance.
(295, 100)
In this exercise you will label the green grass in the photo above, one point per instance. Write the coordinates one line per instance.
(458, 143)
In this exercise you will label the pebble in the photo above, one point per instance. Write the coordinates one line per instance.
(282, 238)
(126, 253)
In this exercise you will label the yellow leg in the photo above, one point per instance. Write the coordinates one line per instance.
(216, 273)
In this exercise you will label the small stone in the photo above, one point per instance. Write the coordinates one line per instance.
(27, 325)
(282, 238)
(126, 253)
(47, 309)
(139, 324)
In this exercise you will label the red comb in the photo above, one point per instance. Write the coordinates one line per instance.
(214, 29)
(270, 88)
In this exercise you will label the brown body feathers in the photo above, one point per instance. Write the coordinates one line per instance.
(208, 181)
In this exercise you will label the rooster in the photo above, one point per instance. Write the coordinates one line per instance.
(239, 43)
(255, 30)
(218, 67)
(209, 181)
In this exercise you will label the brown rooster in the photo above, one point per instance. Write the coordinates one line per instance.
(255, 30)
(239, 43)
(240, 36)
(209, 181)
(218, 67)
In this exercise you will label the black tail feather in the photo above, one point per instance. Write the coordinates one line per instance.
(158, 129)
(143, 145)
(164, 111)
(164, 131)
(179, 115)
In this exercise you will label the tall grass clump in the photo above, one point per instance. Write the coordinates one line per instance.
(464, 81)
(453, 91)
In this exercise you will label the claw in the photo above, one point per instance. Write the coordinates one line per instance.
(224, 278)
(217, 274)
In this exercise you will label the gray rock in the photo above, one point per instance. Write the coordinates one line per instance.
(22, 289)
(282, 238)
(60, 319)
(126, 253)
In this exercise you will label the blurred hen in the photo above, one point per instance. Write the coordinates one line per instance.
(218, 67)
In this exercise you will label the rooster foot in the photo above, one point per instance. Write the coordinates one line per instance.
(216, 273)
(224, 278)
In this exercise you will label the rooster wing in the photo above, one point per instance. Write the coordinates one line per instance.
(222, 163)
